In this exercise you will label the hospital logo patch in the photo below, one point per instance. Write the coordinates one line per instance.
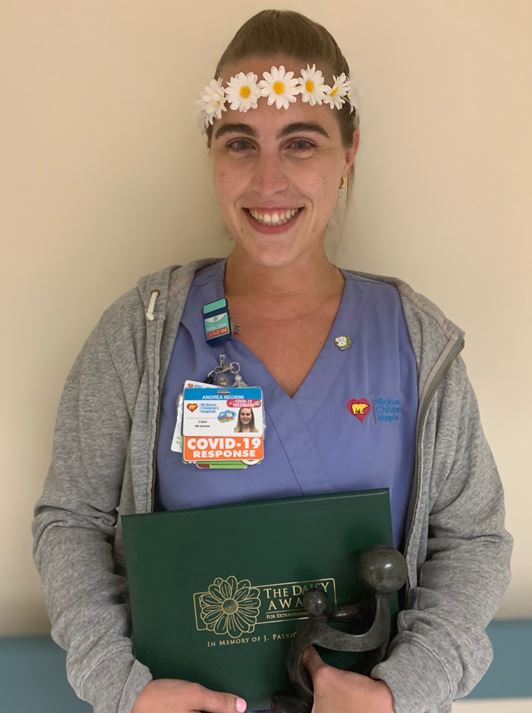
(359, 408)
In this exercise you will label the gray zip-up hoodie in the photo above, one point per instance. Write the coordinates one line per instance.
(457, 549)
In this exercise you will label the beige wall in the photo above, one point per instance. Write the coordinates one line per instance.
(104, 178)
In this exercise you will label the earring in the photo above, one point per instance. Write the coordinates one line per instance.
(343, 182)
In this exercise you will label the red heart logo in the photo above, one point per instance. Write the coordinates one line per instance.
(192, 407)
(359, 408)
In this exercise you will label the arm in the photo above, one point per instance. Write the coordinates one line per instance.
(75, 521)
(441, 649)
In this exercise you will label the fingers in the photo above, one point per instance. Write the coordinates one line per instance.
(215, 702)
(312, 661)
(167, 694)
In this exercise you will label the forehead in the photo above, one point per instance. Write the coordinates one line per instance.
(267, 119)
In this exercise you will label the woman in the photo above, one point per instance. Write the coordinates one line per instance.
(360, 362)
(245, 421)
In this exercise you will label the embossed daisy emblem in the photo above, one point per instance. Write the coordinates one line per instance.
(343, 342)
(230, 607)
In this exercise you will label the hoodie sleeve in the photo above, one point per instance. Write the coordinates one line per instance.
(74, 520)
(441, 650)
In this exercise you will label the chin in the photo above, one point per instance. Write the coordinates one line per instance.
(272, 255)
(279, 250)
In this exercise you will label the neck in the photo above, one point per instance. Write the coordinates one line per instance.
(312, 279)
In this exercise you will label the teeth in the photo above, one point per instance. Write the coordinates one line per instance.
(277, 218)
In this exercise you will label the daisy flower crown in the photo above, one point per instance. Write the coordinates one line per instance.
(279, 87)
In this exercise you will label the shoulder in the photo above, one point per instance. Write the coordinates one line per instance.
(415, 305)
(123, 331)
(432, 334)
(168, 285)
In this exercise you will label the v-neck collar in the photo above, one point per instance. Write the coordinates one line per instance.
(327, 366)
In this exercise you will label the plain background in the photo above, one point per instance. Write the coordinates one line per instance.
(104, 177)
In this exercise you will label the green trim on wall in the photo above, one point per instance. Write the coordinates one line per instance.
(510, 674)
(32, 671)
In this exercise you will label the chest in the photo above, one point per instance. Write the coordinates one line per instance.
(287, 347)
(350, 421)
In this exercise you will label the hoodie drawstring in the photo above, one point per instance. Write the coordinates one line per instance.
(150, 316)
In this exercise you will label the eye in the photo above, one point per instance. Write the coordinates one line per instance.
(240, 146)
(301, 147)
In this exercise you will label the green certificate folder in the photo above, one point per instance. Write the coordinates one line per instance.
(215, 593)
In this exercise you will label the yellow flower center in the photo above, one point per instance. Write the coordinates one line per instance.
(245, 91)
(278, 87)
(229, 606)
(334, 91)
(309, 85)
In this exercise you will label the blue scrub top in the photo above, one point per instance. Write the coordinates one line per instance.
(313, 441)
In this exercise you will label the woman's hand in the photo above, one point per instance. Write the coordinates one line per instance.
(338, 691)
(168, 695)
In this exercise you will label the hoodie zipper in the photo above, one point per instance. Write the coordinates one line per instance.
(155, 446)
(424, 407)
(150, 317)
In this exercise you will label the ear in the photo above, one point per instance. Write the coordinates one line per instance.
(351, 152)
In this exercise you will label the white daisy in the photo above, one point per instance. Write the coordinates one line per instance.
(353, 99)
(212, 102)
(243, 91)
(280, 87)
(337, 94)
(312, 86)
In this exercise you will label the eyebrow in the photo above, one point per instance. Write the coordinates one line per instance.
(285, 131)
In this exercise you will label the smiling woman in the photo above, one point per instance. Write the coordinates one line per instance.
(275, 162)
(358, 380)
(277, 175)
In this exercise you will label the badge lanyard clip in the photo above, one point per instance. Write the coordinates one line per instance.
(222, 373)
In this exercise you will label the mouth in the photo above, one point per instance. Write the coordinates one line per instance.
(273, 221)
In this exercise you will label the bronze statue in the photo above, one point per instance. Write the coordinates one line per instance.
(383, 571)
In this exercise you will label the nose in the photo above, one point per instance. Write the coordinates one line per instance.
(269, 176)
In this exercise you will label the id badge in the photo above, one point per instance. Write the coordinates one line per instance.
(177, 438)
(223, 425)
